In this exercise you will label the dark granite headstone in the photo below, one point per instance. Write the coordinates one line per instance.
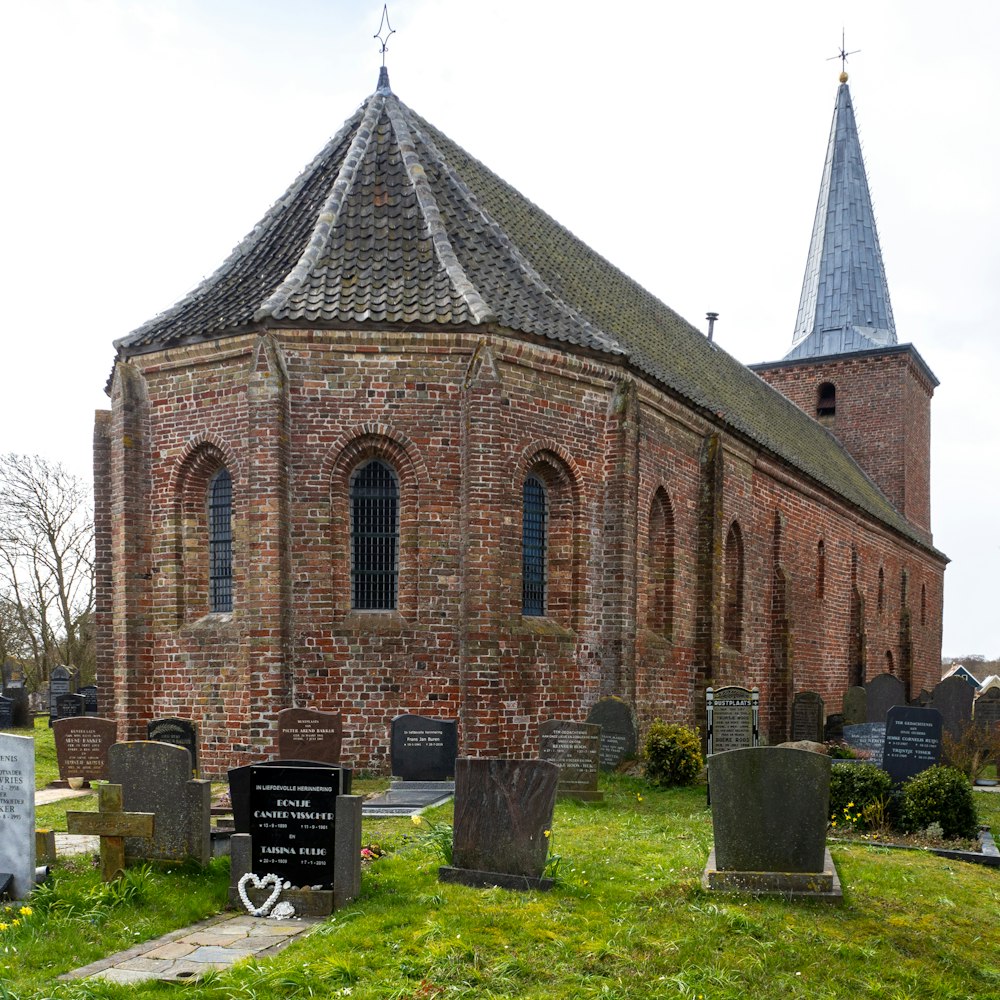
(503, 809)
(423, 749)
(912, 741)
(953, 698)
(808, 716)
(179, 733)
(576, 748)
(20, 705)
(987, 709)
(7, 671)
(82, 746)
(731, 713)
(156, 778)
(59, 684)
(69, 706)
(304, 734)
(855, 706)
(619, 733)
(6, 712)
(869, 736)
(89, 692)
(17, 813)
(833, 731)
(882, 693)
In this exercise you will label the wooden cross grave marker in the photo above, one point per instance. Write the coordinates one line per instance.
(112, 825)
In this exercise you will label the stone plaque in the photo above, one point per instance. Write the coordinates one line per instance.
(855, 706)
(179, 732)
(912, 741)
(89, 692)
(423, 749)
(69, 706)
(953, 698)
(6, 712)
(292, 817)
(868, 736)
(576, 748)
(882, 693)
(304, 734)
(732, 718)
(82, 747)
(619, 734)
(17, 812)
(59, 684)
(808, 717)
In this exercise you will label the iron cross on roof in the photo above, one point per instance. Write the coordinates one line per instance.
(387, 28)
(842, 56)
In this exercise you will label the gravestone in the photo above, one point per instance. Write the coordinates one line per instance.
(59, 684)
(987, 710)
(6, 712)
(953, 698)
(68, 706)
(855, 706)
(770, 809)
(732, 715)
(503, 809)
(808, 716)
(833, 730)
(177, 732)
(82, 747)
(576, 748)
(912, 741)
(869, 736)
(112, 824)
(156, 778)
(20, 706)
(17, 814)
(304, 734)
(423, 749)
(619, 733)
(89, 692)
(882, 693)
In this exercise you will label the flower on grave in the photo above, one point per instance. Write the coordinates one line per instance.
(638, 798)
(25, 911)
(415, 819)
(548, 833)
(4, 927)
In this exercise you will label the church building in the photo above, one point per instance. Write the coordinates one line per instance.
(414, 447)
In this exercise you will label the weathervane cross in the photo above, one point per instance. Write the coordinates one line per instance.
(387, 27)
(842, 54)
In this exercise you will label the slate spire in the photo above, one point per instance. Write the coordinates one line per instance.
(844, 306)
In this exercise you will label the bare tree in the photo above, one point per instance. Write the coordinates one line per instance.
(46, 567)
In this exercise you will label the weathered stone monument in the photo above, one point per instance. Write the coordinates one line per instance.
(953, 698)
(177, 732)
(808, 716)
(619, 733)
(60, 683)
(855, 706)
(82, 746)
(17, 815)
(305, 734)
(576, 748)
(882, 692)
(912, 741)
(112, 825)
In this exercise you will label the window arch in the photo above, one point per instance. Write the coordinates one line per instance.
(534, 546)
(660, 608)
(732, 629)
(826, 400)
(374, 502)
(220, 542)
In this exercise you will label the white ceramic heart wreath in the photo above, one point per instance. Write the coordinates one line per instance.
(260, 883)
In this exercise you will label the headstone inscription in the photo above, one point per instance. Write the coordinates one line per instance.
(59, 684)
(6, 712)
(503, 809)
(619, 733)
(241, 783)
(17, 813)
(422, 748)
(156, 778)
(89, 692)
(867, 736)
(82, 747)
(179, 733)
(576, 748)
(953, 698)
(68, 706)
(882, 693)
(732, 714)
(808, 716)
(912, 741)
(855, 706)
(305, 734)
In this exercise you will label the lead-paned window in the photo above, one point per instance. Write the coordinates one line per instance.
(533, 543)
(220, 542)
(374, 537)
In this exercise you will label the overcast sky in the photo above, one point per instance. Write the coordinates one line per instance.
(684, 142)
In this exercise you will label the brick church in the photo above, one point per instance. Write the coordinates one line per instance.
(415, 448)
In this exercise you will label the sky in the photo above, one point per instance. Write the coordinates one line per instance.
(684, 142)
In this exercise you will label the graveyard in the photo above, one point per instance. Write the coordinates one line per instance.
(626, 916)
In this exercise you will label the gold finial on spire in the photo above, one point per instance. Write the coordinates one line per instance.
(842, 56)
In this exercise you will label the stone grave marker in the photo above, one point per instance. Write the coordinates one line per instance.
(59, 684)
(808, 716)
(82, 747)
(305, 734)
(732, 715)
(17, 814)
(770, 809)
(422, 748)
(576, 748)
(855, 706)
(156, 778)
(68, 706)
(503, 809)
(89, 692)
(619, 733)
(7, 672)
(20, 706)
(882, 693)
(987, 709)
(868, 736)
(953, 698)
(112, 824)
(833, 730)
(179, 733)
(6, 712)
(912, 741)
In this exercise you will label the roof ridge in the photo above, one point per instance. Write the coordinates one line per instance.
(446, 255)
(327, 217)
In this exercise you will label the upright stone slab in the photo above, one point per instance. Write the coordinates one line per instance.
(59, 684)
(20, 705)
(82, 747)
(869, 737)
(855, 706)
(882, 693)
(808, 716)
(305, 734)
(177, 732)
(576, 748)
(732, 714)
(17, 813)
(6, 712)
(912, 741)
(953, 698)
(69, 706)
(619, 733)
(89, 692)
(422, 748)
(986, 710)
(833, 730)
(503, 809)
(156, 778)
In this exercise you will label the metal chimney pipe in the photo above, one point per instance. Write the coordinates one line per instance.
(711, 317)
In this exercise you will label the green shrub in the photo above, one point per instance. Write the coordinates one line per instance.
(672, 754)
(940, 795)
(860, 796)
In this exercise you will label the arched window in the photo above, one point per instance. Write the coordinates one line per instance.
(820, 569)
(534, 539)
(826, 400)
(374, 494)
(660, 613)
(220, 542)
(732, 628)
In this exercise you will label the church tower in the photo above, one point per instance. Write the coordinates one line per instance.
(845, 367)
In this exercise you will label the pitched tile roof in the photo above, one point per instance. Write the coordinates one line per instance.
(394, 223)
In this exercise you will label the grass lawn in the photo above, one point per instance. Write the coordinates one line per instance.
(627, 919)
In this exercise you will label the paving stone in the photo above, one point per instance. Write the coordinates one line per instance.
(145, 964)
(213, 953)
(175, 949)
(221, 937)
(116, 975)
